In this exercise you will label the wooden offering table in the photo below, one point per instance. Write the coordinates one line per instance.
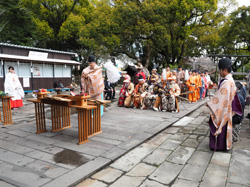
(89, 123)
(7, 114)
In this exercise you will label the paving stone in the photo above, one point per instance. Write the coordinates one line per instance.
(184, 183)
(220, 158)
(200, 158)
(130, 143)
(20, 176)
(199, 119)
(200, 132)
(114, 153)
(157, 157)
(5, 184)
(108, 175)
(75, 176)
(171, 130)
(42, 139)
(47, 158)
(187, 130)
(45, 168)
(19, 133)
(183, 121)
(133, 157)
(82, 149)
(166, 172)
(14, 147)
(91, 183)
(179, 137)
(14, 158)
(215, 175)
(159, 139)
(181, 155)
(192, 172)
(190, 143)
(204, 145)
(173, 119)
(151, 183)
(239, 167)
(126, 181)
(170, 144)
(141, 170)
(234, 185)
(105, 140)
(99, 145)
(160, 127)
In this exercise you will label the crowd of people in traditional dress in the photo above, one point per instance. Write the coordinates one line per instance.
(160, 92)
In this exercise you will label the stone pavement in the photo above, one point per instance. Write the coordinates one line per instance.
(178, 157)
(55, 159)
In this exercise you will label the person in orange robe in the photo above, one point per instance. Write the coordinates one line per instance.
(192, 85)
(199, 85)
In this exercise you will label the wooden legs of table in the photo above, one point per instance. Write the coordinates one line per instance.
(97, 120)
(40, 118)
(60, 116)
(83, 121)
(7, 115)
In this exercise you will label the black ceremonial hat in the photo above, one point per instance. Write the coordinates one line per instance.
(225, 63)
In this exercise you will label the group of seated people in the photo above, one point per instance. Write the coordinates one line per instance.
(157, 92)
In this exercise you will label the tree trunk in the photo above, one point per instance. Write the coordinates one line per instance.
(148, 56)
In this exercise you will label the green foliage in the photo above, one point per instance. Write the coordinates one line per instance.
(15, 23)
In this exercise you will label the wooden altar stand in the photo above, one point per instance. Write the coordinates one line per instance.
(7, 114)
(89, 123)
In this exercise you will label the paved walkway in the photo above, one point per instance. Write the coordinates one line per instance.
(55, 159)
(179, 157)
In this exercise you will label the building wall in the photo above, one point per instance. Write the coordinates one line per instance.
(38, 83)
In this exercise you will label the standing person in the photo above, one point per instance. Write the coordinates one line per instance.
(198, 94)
(221, 108)
(92, 81)
(13, 87)
(208, 82)
(205, 84)
(192, 85)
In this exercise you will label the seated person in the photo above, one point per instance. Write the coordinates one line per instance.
(60, 84)
(113, 90)
(108, 90)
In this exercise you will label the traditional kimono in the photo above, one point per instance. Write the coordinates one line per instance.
(139, 94)
(192, 85)
(122, 94)
(199, 86)
(93, 84)
(13, 87)
(205, 86)
(129, 94)
(168, 101)
(149, 98)
(222, 107)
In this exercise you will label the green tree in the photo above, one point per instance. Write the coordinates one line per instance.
(58, 22)
(16, 24)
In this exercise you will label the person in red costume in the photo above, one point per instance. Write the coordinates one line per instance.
(139, 72)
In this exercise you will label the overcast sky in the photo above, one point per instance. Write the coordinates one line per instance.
(244, 2)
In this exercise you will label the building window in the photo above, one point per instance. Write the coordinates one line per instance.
(24, 69)
(66, 71)
(47, 70)
(37, 70)
(58, 70)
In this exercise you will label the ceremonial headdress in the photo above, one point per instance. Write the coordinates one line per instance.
(225, 63)
(91, 58)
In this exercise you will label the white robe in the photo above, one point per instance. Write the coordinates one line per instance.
(13, 87)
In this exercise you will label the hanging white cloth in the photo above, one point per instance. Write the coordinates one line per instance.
(112, 72)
